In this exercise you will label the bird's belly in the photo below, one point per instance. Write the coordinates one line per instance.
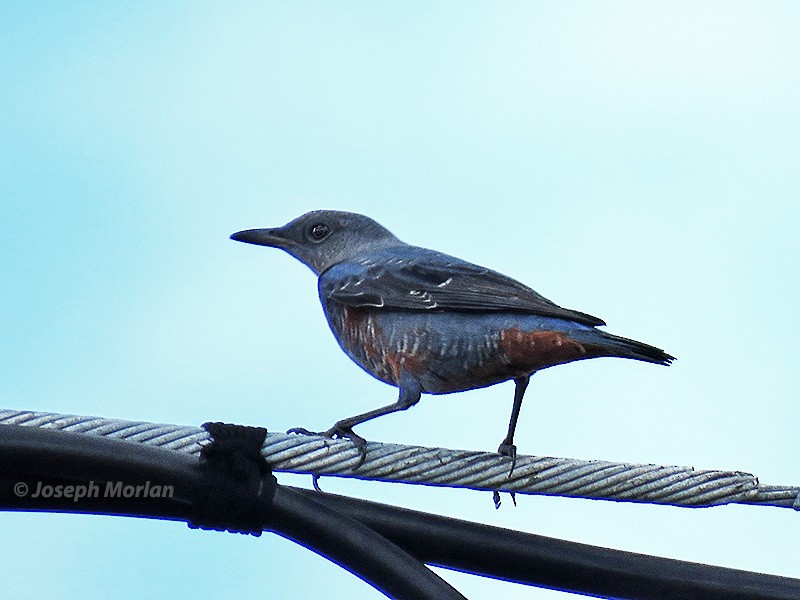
(449, 352)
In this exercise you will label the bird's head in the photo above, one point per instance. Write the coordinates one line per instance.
(322, 238)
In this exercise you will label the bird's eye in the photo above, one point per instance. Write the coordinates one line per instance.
(319, 232)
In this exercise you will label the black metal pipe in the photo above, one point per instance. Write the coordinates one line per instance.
(557, 564)
(356, 547)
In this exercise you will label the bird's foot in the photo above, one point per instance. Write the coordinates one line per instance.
(343, 432)
(339, 432)
(304, 431)
(509, 450)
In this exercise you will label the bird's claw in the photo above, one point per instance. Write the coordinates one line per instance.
(342, 432)
(509, 450)
(496, 498)
(339, 432)
(303, 431)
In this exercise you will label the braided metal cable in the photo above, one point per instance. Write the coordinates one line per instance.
(672, 485)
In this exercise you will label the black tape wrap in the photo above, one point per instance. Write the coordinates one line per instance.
(241, 485)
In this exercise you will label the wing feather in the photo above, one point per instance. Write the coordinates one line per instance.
(413, 278)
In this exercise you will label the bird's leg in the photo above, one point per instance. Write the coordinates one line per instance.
(410, 393)
(507, 447)
(409, 396)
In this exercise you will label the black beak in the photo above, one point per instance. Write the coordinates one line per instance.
(262, 237)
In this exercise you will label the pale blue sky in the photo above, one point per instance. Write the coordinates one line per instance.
(637, 161)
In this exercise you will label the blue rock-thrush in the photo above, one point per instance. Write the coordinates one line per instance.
(427, 322)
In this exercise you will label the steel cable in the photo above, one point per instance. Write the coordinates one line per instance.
(596, 479)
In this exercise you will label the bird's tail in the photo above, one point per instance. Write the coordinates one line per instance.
(607, 344)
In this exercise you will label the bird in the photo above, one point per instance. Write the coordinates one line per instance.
(429, 323)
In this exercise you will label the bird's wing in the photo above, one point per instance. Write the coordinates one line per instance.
(426, 280)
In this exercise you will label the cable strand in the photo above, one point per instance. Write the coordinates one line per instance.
(595, 479)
